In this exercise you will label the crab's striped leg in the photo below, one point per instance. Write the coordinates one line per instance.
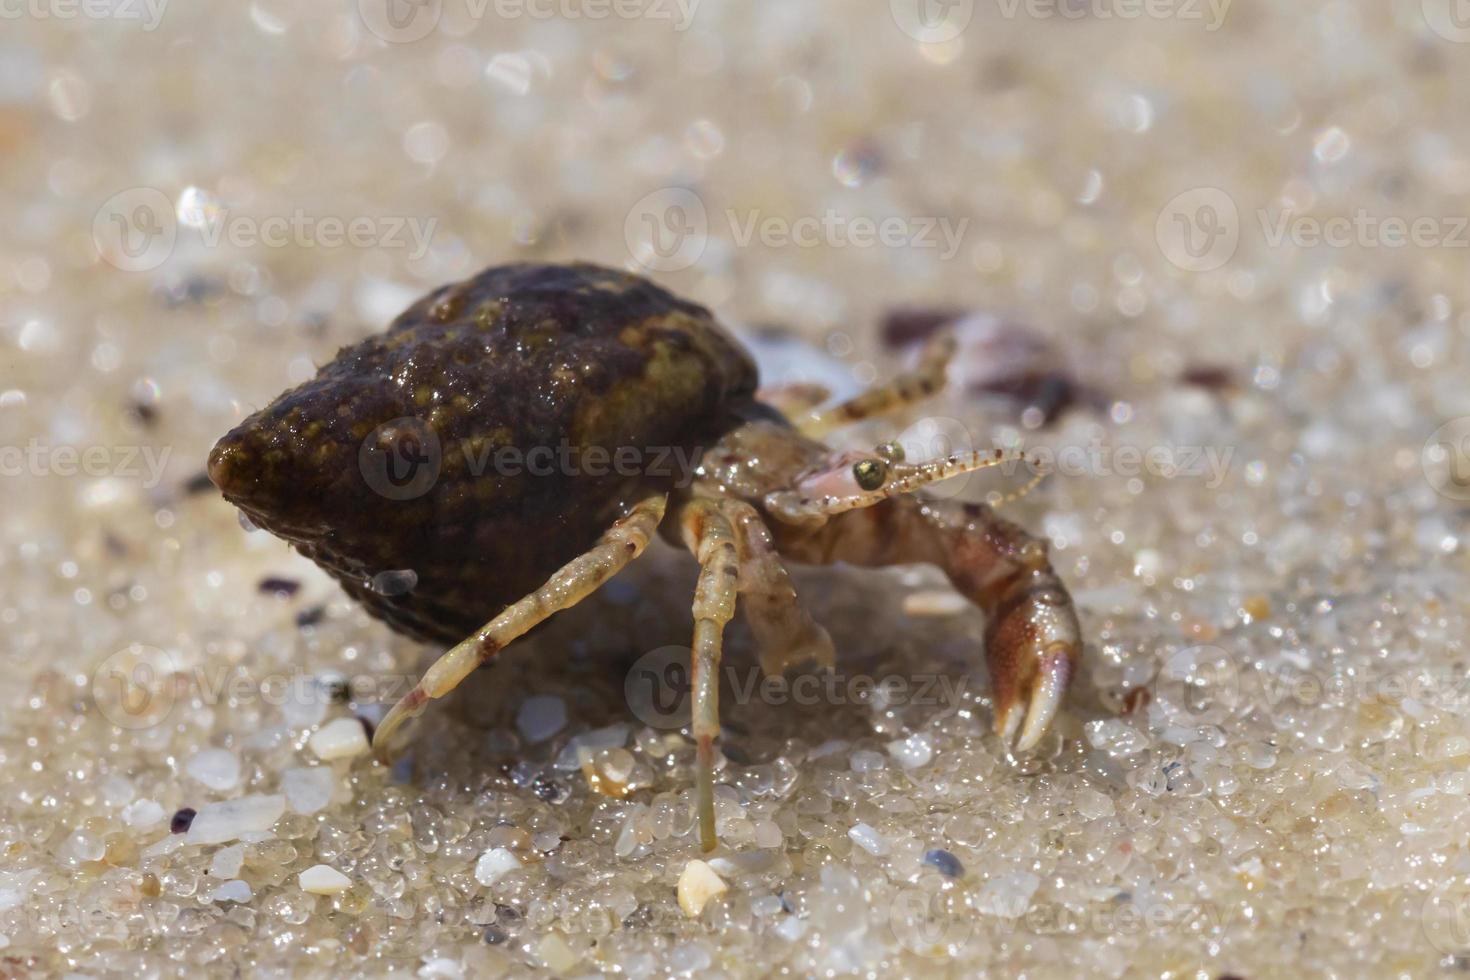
(784, 631)
(927, 378)
(708, 535)
(795, 399)
(569, 585)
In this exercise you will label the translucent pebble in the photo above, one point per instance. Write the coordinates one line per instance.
(615, 765)
(15, 887)
(689, 958)
(555, 954)
(790, 928)
(82, 846)
(541, 717)
(441, 967)
(308, 788)
(866, 761)
(142, 813)
(912, 752)
(1094, 805)
(227, 861)
(944, 862)
(323, 879)
(697, 885)
(219, 769)
(768, 834)
(216, 823)
(395, 581)
(232, 891)
(340, 738)
(1115, 737)
(1007, 896)
(766, 905)
(494, 864)
(869, 839)
(584, 746)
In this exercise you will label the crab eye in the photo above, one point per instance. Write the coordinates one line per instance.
(869, 473)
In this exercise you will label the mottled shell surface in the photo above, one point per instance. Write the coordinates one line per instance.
(399, 454)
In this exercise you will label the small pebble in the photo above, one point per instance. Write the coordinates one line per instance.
(219, 769)
(869, 839)
(912, 752)
(944, 862)
(697, 885)
(227, 861)
(232, 891)
(494, 864)
(554, 952)
(182, 820)
(217, 823)
(142, 813)
(541, 717)
(308, 789)
(340, 738)
(323, 879)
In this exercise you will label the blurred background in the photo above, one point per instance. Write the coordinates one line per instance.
(1231, 232)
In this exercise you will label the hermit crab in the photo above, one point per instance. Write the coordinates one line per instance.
(397, 455)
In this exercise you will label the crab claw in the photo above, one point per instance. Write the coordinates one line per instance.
(1032, 647)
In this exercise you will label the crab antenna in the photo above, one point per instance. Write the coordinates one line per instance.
(854, 480)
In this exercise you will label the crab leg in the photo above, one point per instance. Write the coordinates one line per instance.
(708, 535)
(569, 585)
(927, 377)
(1032, 639)
(796, 398)
(785, 632)
(834, 487)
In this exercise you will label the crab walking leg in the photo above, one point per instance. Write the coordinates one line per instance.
(796, 398)
(1032, 639)
(927, 378)
(568, 585)
(785, 632)
(708, 535)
